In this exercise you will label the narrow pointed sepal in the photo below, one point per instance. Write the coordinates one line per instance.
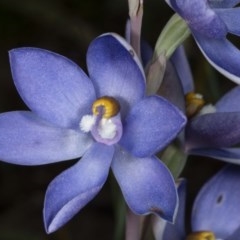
(29, 140)
(220, 129)
(221, 54)
(229, 155)
(69, 192)
(176, 231)
(52, 86)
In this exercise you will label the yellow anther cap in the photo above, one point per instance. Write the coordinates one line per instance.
(108, 105)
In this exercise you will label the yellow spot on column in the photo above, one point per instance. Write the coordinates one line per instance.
(108, 105)
(204, 235)
(194, 103)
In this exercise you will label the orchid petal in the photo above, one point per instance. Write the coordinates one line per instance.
(200, 17)
(149, 129)
(234, 235)
(222, 55)
(115, 70)
(223, 3)
(171, 87)
(146, 184)
(51, 85)
(180, 218)
(218, 129)
(146, 52)
(176, 231)
(230, 101)
(69, 192)
(182, 67)
(231, 17)
(230, 155)
(29, 140)
(165, 231)
(216, 207)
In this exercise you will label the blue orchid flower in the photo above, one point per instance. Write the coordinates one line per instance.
(217, 134)
(215, 213)
(210, 21)
(105, 118)
(212, 132)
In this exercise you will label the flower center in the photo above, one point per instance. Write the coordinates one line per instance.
(202, 235)
(105, 122)
(194, 103)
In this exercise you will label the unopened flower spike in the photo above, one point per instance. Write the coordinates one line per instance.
(171, 37)
(210, 22)
(135, 24)
(104, 118)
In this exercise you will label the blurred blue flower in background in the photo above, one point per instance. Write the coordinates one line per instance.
(210, 21)
(216, 133)
(107, 120)
(215, 213)
(212, 130)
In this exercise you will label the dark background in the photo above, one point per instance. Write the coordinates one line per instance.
(67, 27)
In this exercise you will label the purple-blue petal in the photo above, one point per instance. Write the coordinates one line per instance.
(231, 17)
(151, 125)
(222, 55)
(217, 207)
(176, 231)
(234, 235)
(218, 129)
(146, 52)
(223, 3)
(115, 70)
(166, 231)
(230, 155)
(182, 67)
(146, 184)
(75, 187)
(200, 17)
(51, 85)
(28, 140)
(230, 101)
(171, 87)
(180, 218)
